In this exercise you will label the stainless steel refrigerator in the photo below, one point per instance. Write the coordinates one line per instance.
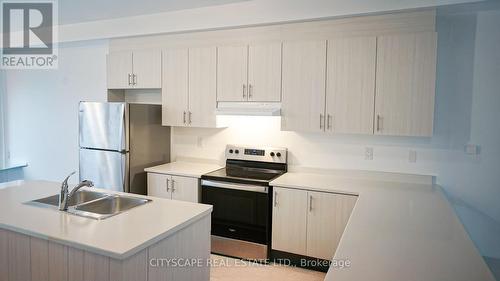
(118, 140)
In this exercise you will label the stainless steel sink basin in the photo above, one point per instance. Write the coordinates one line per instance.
(79, 198)
(109, 206)
(91, 204)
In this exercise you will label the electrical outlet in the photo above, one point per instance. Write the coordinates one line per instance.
(472, 149)
(369, 153)
(412, 156)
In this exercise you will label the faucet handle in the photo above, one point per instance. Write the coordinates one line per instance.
(65, 182)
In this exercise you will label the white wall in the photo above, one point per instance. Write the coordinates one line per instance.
(42, 109)
(255, 12)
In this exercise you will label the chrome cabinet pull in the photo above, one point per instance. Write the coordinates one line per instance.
(134, 79)
(275, 198)
(130, 79)
(249, 91)
(173, 185)
(329, 122)
(190, 117)
(310, 203)
(244, 90)
(378, 122)
(168, 189)
(184, 118)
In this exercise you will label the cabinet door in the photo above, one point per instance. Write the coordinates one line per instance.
(159, 185)
(304, 68)
(147, 69)
(232, 73)
(264, 72)
(119, 70)
(202, 86)
(289, 220)
(350, 86)
(405, 88)
(175, 87)
(327, 218)
(185, 189)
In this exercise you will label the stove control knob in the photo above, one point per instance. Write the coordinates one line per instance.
(236, 151)
(230, 151)
(278, 154)
(272, 154)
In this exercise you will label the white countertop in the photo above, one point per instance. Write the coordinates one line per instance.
(397, 231)
(184, 168)
(117, 237)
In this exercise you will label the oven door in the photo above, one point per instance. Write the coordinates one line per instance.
(240, 213)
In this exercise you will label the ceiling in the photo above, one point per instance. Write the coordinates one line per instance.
(75, 11)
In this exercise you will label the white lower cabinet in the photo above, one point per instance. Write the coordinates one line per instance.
(309, 223)
(174, 187)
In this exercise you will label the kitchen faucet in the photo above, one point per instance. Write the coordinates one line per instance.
(65, 195)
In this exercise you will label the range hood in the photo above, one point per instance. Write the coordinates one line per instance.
(249, 108)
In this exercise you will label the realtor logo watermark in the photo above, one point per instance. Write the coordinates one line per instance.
(29, 34)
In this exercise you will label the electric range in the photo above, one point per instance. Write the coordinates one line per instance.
(242, 200)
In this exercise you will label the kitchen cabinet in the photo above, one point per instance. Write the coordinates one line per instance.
(189, 91)
(350, 85)
(327, 218)
(303, 86)
(309, 223)
(249, 73)
(174, 187)
(289, 227)
(134, 70)
(405, 85)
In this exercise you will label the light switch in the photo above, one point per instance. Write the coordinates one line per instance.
(412, 156)
(369, 153)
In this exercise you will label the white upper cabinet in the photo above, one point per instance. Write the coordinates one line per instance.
(134, 70)
(147, 69)
(249, 73)
(119, 70)
(202, 87)
(189, 87)
(175, 87)
(405, 87)
(264, 72)
(304, 69)
(232, 70)
(350, 86)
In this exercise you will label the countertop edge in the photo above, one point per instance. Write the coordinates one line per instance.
(114, 255)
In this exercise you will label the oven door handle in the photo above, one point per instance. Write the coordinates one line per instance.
(244, 187)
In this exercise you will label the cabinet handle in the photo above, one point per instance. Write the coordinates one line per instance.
(190, 117)
(249, 91)
(321, 119)
(184, 118)
(130, 79)
(329, 122)
(378, 122)
(173, 185)
(244, 90)
(134, 79)
(167, 185)
(310, 203)
(275, 198)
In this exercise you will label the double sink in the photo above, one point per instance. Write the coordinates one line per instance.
(93, 204)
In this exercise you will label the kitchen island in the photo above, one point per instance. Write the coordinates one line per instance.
(161, 240)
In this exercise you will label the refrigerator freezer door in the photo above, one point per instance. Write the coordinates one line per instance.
(103, 126)
(107, 169)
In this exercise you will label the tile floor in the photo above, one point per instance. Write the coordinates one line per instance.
(228, 269)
